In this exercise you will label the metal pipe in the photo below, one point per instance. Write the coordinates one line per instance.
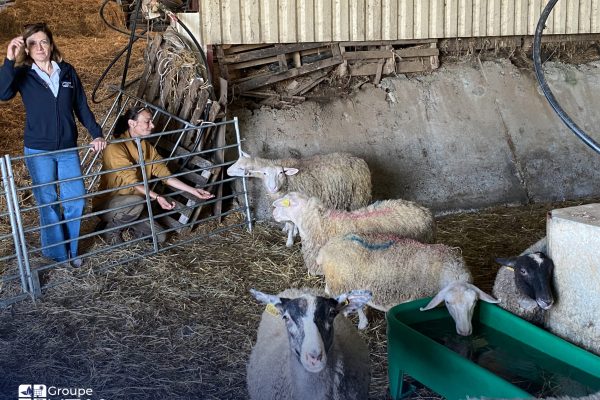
(244, 179)
(19, 227)
(13, 222)
(539, 74)
(142, 163)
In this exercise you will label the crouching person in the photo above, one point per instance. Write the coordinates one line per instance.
(127, 204)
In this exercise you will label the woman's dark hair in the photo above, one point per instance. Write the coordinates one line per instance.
(122, 124)
(30, 29)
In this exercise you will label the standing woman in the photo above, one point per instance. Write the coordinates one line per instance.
(53, 95)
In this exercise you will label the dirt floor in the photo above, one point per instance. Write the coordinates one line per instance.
(180, 325)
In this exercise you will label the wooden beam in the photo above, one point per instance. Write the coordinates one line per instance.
(387, 42)
(269, 52)
(417, 52)
(379, 72)
(403, 67)
(314, 80)
(305, 69)
(232, 49)
(362, 55)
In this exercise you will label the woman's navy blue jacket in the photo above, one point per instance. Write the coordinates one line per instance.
(50, 121)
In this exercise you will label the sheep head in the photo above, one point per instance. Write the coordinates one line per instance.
(309, 322)
(242, 166)
(533, 276)
(460, 298)
(289, 207)
(274, 177)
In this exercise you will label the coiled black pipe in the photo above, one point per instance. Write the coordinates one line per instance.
(134, 37)
(106, 71)
(539, 74)
(111, 26)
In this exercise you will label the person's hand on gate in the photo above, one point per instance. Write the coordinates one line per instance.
(98, 144)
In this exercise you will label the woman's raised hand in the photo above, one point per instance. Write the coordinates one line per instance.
(14, 47)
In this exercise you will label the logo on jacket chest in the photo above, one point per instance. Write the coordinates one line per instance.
(67, 85)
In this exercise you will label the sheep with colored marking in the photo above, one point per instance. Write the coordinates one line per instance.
(317, 224)
(397, 269)
(340, 180)
(306, 349)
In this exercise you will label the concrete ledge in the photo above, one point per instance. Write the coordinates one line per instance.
(574, 246)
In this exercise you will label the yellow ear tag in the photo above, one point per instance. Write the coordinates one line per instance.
(346, 302)
(285, 203)
(271, 309)
(509, 268)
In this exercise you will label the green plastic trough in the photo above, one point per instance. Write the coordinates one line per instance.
(453, 376)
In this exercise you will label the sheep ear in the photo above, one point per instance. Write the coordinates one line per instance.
(483, 295)
(291, 171)
(282, 202)
(265, 298)
(436, 300)
(353, 300)
(509, 262)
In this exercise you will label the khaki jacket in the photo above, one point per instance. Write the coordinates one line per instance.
(125, 154)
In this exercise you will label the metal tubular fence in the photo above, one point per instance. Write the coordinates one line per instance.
(21, 258)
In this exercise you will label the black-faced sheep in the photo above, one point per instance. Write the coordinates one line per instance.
(317, 224)
(305, 348)
(340, 180)
(397, 270)
(523, 286)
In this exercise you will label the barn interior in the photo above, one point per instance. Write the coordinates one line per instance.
(460, 128)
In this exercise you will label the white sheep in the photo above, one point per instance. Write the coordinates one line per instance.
(340, 180)
(397, 270)
(305, 348)
(523, 286)
(317, 224)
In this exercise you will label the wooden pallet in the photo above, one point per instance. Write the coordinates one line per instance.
(384, 58)
(182, 92)
(252, 68)
(288, 72)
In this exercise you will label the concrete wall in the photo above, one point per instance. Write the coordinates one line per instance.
(469, 135)
(574, 244)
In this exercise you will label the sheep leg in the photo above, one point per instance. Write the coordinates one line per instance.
(292, 231)
(362, 319)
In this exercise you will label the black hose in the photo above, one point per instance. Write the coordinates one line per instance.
(104, 3)
(134, 37)
(106, 71)
(539, 74)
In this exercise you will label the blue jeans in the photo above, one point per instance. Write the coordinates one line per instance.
(50, 168)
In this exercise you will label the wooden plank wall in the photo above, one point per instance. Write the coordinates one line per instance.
(291, 21)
